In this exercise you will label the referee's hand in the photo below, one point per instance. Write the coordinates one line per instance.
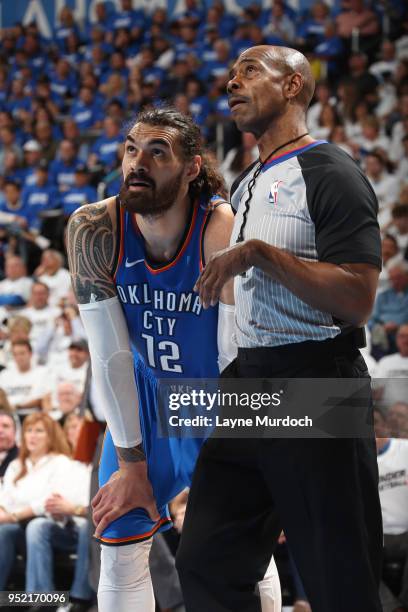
(221, 267)
(128, 488)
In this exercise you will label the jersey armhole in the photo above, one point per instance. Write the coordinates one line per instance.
(119, 238)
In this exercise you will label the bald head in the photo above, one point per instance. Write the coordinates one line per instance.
(288, 61)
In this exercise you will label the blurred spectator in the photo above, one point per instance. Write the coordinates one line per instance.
(44, 135)
(393, 489)
(311, 31)
(387, 63)
(68, 398)
(16, 328)
(338, 136)
(7, 144)
(41, 314)
(15, 288)
(330, 50)
(371, 139)
(127, 17)
(25, 384)
(390, 311)
(12, 207)
(8, 444)
(51, 271)
(393, 367)
(328, 119)
(399, 226)
(71, 132)
(80, 193)
(42, 468)
(402, 163)
(280, 27)
(397, 420)
(239, 158)
(399, 129)
(66, 27)
(390, 255)
(86, 111)
(63, 79)
(68, 328)
(364, 83)
(357, 17)
(74, 371)
(106, 146)
(72, 427)
(39, 196)
(32, 156)
(322, 97)
(63, 167)
(385, 186)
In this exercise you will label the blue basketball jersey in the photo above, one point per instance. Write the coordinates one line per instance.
(172, 336)
(167, 325)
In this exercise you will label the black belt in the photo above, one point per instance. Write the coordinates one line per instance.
(341, 344)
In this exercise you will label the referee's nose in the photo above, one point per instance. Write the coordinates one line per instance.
(232, 85)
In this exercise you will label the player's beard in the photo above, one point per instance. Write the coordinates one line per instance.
(150, 201)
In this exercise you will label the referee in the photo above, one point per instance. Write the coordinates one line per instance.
(305, 254)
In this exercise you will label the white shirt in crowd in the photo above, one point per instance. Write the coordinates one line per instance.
(20, 286)
(313, 114)
(381, 142)
(64, 372)
(390, 374)
(383, 279)
(396, 150)
(21, 387)
(393, 486)
(386, 188)
(58, 283)
(51, 474)
(402, 172)
(43, 323)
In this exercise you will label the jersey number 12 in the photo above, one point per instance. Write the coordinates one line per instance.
(168, 359)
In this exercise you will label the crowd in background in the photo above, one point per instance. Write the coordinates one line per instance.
(63, 105)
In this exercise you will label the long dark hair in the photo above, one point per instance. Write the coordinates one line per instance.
(209, 182)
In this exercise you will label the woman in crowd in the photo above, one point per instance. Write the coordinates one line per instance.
(39, 471)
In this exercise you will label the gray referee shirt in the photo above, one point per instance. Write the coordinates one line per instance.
(315, 203)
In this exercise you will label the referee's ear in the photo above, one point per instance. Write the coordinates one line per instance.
(193, 168)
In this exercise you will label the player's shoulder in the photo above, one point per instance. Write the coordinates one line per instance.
(324, 158)
(219, 226)
(95, 214)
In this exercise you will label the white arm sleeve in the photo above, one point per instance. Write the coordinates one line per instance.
(112, 368)
(227, 348)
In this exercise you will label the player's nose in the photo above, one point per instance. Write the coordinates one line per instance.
(233, 85)
(140, 163)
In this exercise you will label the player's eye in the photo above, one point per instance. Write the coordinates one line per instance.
(157, 152)
(130, 149)
(250, 69)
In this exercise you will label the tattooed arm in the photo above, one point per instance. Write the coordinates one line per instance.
(91, 246)
(91, 243)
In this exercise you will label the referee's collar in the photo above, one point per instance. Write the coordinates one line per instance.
(293, 153)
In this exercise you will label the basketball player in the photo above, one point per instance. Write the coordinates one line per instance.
(134, 260)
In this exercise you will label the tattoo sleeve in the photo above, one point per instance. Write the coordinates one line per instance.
(131, 455)
(91, 253)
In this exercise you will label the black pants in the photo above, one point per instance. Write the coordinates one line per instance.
(322, 492)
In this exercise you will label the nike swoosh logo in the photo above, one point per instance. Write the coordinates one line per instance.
(130, 264)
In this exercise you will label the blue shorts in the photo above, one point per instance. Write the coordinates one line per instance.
(170, 463)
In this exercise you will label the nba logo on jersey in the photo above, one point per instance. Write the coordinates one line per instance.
(273, 194)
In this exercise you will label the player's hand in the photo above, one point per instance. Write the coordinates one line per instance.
(128, 488)
(221, 267)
